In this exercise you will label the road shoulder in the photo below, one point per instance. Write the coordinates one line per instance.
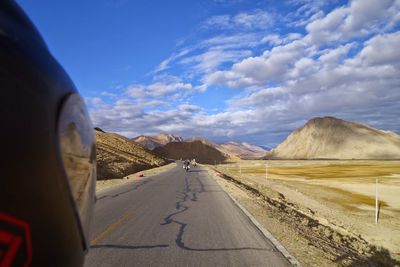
(236, 196)
(111, 183)
(297, 246)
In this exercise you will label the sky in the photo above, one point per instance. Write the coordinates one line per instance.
(248, 71)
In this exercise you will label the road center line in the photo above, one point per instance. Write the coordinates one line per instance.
(111, 228)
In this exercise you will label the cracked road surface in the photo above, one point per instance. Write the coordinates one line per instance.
(175, 218)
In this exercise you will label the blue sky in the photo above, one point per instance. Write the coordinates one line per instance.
(227, 70)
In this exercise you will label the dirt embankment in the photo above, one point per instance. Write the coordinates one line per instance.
(308, 236)
(117, 156)
(104, 184)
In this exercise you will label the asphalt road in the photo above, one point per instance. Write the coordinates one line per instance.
(175, 219)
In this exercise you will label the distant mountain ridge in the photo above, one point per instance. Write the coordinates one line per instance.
(332, 138)
(232, 149)
(242, 150)
(151, 142)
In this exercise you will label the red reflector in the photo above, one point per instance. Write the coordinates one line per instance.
(15, 242)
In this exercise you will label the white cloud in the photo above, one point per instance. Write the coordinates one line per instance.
(213, 58)
(305, 12)
(157, 89)
(360, 18)
(382, 49)
(276, 39)
(109, 94)
(271, 66)
(335, 55)
(223, 21)
(255, 20)
(165, 64)
(189, 107)
(231, 41)
(210, 53)
(346, 88)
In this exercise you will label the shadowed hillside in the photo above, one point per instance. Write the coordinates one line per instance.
(232, 149)
(332, 138)
(198, 150)
(117, 156)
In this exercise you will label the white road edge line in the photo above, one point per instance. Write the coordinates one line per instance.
(292, 260)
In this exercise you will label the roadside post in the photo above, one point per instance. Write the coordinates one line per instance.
(376, 201)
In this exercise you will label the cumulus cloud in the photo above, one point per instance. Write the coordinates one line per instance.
(358, 88)
(344, 63)
(382, 49)
(271, 66)
(359, 18)
(333, 56)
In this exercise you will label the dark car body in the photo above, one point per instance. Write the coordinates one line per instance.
(33, 186)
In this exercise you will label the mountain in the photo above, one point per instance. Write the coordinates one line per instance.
(241, 150)
(203, 153)
(118, 156)
(201, 139)
(266, 148)
(332, 138)
(151, 142)
(232, 149)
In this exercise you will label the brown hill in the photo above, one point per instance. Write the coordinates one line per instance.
(332, 138)
(198, 150)
(201, 139)
(151, 142)
(117, 156)
(232, 149)
(242, 150)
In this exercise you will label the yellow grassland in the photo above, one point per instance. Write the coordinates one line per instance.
(339, 191)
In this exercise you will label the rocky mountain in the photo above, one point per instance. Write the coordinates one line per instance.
(241, 150)
(232, 149)
(332, 138)
(203, 153)
(151, 142)
(118, 156)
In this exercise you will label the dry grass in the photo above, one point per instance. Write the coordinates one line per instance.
(317, 175)
(340, 191)
(350, 200)
(318, 169)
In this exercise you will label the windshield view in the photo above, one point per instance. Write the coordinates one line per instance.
(200, 133)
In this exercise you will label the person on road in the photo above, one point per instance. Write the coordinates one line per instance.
(186, 165)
